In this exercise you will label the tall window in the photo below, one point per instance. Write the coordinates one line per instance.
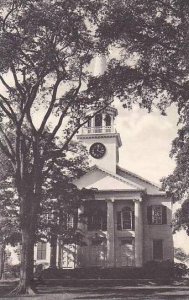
(97, 221)
(89, 123)
(157, 249)
(98, 120)
(41, 250)
(125, 219)
(157, 214)
(71, 221)
(108, 120)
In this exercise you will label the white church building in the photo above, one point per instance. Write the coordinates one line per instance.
(127, 222)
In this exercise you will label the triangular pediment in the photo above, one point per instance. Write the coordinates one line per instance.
(150, 187)
(97, 178)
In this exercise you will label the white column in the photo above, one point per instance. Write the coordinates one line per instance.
(81, 225)
(112, 123)
(138, 234)
(93, 123)
(103, 120)
(81, 228)
(110, 234)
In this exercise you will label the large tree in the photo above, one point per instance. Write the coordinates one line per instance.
(60, 200)
(45, 48)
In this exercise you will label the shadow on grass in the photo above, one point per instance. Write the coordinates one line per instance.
(96, 293)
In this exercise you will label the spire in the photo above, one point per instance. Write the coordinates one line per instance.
(99, 65)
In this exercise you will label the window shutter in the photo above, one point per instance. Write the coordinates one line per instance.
(149, 214)
(164, 214)
(119, 227)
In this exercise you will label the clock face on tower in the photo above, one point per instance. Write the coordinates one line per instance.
(97, 150)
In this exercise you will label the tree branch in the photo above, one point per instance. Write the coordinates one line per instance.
(57, 127)
(6, 111)
(27, 107)
(18, 85)
(5, 84)
(8, 14)
(8, 142)
(82, 124)
(10, 113)
(51, 106)
(31, 122)
(5, 150)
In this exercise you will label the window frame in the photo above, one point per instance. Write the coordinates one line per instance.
(98, 120)
(41, 251)
(131, 221)
(97, 221)
(108, 120)
(155, 220)
(151, 214)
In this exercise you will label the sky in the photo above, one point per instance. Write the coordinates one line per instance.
(146, 144)
(146, 141)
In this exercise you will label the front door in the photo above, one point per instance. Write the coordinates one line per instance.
(97, 255)
(125, 255)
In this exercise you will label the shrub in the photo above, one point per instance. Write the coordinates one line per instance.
(159, 269)
(180, 270)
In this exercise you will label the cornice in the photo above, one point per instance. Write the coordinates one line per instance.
(100, 136)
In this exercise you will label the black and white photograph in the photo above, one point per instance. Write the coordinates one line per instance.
(94, 149)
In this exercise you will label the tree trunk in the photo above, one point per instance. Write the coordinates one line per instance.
(29, 213)
(2, 260)
(26, 285)
(53, 257)
(28, 178)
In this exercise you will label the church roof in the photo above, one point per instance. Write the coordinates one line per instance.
(124, 180)
(101, 179)
(150, 187)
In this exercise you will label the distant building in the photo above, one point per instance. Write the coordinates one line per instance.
(128, 222)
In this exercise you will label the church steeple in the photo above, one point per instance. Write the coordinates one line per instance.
(102, 140)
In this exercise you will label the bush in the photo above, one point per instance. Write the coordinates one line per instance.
(159, 269)
(39, 269)
(180, 270)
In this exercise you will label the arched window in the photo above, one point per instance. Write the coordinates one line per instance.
(108, 120)
(125, 219)
(98, 120)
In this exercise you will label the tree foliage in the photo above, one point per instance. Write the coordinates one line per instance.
(180, 254)
(152, 38)
(46, 48)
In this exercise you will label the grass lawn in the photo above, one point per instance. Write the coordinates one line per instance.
(49, 292)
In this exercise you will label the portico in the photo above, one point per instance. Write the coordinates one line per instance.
(113, 227)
